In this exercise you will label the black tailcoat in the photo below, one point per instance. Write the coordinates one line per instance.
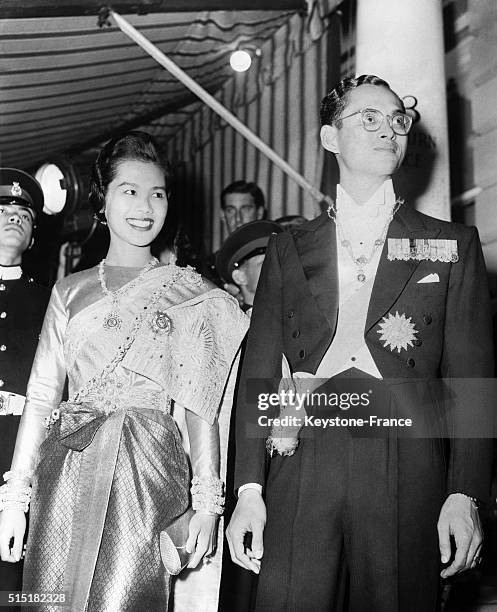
(295, 313)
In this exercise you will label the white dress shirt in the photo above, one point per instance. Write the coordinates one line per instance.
(361, 225)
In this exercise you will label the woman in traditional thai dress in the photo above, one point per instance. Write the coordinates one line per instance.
(139, 342)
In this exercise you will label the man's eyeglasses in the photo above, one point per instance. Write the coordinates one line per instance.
(372, 119)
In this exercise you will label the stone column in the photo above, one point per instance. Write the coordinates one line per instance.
(402, 42)
(483, 92)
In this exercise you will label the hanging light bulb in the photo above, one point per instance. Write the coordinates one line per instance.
(240, 60)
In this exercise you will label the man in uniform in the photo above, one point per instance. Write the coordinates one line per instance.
(372, 291)
(22, 308)
(240, 259)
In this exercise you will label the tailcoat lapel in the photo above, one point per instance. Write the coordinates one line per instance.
(393, 276)
(317, 250)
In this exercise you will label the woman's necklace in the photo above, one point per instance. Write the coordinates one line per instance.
(362, 261)
(113, 320)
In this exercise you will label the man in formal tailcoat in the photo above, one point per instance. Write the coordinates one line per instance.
(374, 292)
(22, 308)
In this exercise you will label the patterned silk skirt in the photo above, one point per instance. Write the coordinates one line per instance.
(105, 486)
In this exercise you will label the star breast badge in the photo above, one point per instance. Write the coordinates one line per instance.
(397, 332)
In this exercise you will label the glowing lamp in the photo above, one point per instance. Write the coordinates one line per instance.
(240, 61)
(65, 188)
(51, 179)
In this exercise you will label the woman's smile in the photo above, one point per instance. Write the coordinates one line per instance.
(142, 224)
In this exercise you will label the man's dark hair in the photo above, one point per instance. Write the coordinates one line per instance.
(333, 103)
(244, 187)
(133, 146)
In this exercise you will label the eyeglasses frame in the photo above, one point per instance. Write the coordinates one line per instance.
(388, 117)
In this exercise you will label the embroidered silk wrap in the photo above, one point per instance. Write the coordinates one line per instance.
(112, 472)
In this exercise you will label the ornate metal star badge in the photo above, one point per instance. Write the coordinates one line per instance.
(397, 332)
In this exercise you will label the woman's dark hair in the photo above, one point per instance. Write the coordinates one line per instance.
(133, 146)
(333, 103)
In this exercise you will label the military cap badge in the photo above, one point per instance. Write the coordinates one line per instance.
(16, 190)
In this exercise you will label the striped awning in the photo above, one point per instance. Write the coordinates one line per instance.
(67, 84)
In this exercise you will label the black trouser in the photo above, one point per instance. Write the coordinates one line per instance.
(352, 525)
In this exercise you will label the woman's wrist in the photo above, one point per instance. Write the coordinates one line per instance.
(207, 495)
(15, 494)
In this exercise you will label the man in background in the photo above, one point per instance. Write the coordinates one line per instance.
(240, 259)
(241, 202)
(239, 262)
(22, 308)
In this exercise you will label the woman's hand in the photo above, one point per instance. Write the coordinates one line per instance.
(12, 525)
(201, 536)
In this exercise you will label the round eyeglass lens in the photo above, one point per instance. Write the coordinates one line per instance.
(401, 123)
(371, 119)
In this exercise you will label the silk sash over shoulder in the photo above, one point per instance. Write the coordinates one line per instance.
(192, 360)
(186, 342)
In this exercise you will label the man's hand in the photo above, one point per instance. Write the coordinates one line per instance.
(12, 525)
(459, 518)
(249, 516)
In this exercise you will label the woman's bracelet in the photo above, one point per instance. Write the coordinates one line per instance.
(207, 494)
(16, 492)
(15, 497)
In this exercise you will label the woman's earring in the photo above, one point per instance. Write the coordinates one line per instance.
(97, 218)
(100, 219)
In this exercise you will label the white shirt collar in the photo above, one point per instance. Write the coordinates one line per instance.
(380, 204)
(10, 272)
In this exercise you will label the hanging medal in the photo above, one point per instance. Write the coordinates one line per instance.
(363, 260)
(113, 320)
